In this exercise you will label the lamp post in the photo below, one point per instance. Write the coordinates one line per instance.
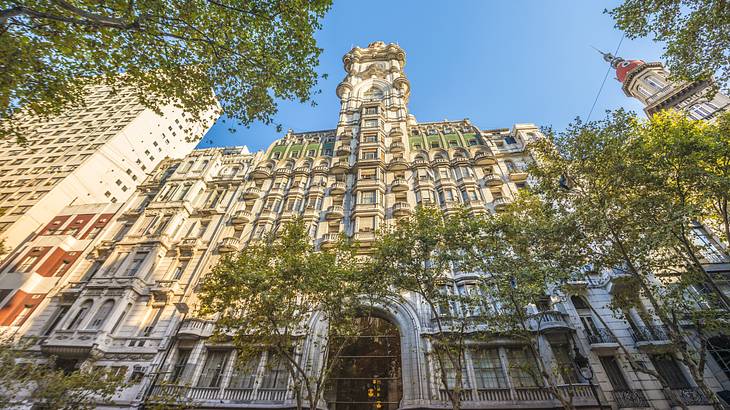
(584, 367)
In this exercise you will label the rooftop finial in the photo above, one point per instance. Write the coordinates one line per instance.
(610, 58)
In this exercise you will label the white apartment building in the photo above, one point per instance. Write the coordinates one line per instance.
(93, 154)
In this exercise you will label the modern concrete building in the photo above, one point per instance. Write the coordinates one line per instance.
(650, 84)
(93, 154)
(129, 305)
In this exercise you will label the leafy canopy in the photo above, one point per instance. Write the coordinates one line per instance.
(249, 52)
(696, 33)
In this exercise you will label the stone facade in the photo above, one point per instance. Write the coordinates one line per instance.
(130, 303)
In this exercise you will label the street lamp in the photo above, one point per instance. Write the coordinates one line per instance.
(585, 369)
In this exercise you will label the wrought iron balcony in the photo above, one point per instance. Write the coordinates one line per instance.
(649, 333)
(691, 396)
(601, 336)
(630, 398)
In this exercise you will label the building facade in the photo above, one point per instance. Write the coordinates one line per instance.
(93, 154)
(650, 84)
(129, 304)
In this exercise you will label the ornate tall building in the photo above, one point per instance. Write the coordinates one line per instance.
(650, 84)
(129, 304)
(93, 154)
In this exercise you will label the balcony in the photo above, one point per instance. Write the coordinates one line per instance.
(329, 240)
(418, 163)
(186, 394)
(690, 396)
(439, 162)
(229, 244)
(284, 172)
(320, 169)
(162, 289)
(500, 204)
(630, 399)
(241, 217)
(522, 397)
(460, 161)
(397, 147)
(399, 185)
(261, 173)
(549, 321)
(492, 180)
(484, 158)
(252, 193)
(195, 329)
(343, 150)
(602, 341)
(338, 188)
(340, 167)
(651, 338)
(518, 174)
(397, 164)
(189, 243)
(335, 212)
(401, 209)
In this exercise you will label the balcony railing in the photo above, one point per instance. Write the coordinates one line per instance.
(630, 398)
(691, 396)
(183, 393)
(601, 336)
(579, 392)
(649, 333)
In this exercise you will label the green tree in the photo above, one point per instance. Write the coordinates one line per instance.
(696, 33)
(420, 255)
(250, 53)
(633, 202)
(276, 292)
(24, 380)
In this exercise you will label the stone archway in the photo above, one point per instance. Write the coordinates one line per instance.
(368, 375)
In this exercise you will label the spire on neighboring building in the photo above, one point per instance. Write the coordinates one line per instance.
(622, 66)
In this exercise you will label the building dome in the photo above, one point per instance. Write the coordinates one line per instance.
(626, 66)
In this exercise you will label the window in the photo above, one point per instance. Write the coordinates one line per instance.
(522, 368)
(181, 362)
(370, 154)
(565, 363)
(212, 373)
(121, 317)
(101, 315)
(80, 315)
(179, 270)
(510, 140)
(366, 223)
(368, 197)
(670, 371)
(27, 263)
(614, 373)
(275, 373)
(244, 374)
(488, 370)
(153, 318)
(699, 111)
(94, 232)
(654, 82)
(137, 261)
(57, 317)
(435, 144)
(450, 370)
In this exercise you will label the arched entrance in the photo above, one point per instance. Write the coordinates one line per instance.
(368, 374)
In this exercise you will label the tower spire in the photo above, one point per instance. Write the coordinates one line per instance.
(610, 58)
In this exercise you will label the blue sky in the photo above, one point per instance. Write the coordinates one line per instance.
(494, 62)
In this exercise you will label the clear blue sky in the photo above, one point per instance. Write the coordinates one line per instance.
(494, 62)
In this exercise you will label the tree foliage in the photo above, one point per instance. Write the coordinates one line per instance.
(24, 380)
(250, 53)
(636, 189)
(696, 33)
(276, 292)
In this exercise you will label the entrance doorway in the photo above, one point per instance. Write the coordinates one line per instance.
(368, 375)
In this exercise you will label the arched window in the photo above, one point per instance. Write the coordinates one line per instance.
(101, 315)
(80, 315)
(185, 168)
(579, 302)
